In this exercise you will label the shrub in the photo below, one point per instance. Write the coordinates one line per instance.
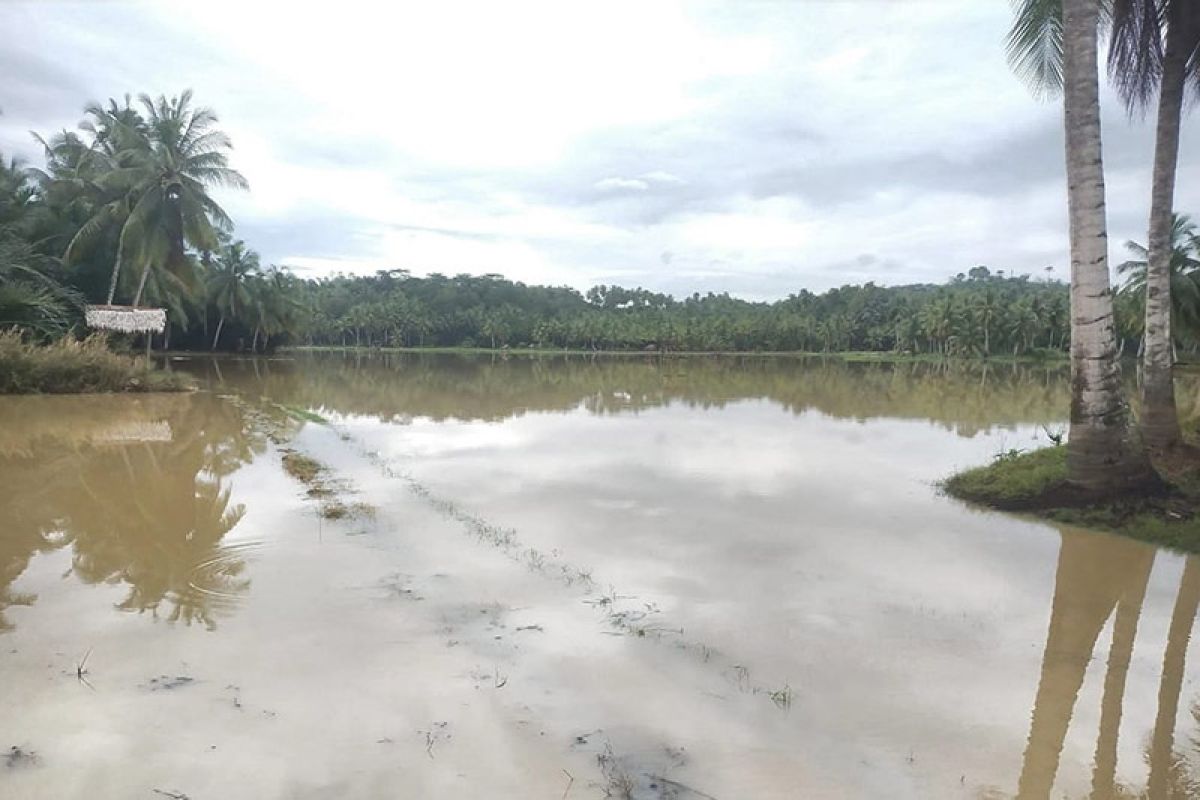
(71, 366)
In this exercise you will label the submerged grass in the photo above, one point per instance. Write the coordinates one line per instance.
(301, 467)
(1036, 482)
(302, 414)
(70, 366)
(326, 489)
(336, 509)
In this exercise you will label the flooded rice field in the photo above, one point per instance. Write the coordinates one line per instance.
(453, 577)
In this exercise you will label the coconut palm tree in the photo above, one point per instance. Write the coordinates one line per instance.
(162, 166)
(275, 305)
(228, 287)
(1185, 276)
(1102, 456)
(986, 307)
(1155, 48)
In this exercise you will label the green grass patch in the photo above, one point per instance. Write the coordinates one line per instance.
(1015, 480)
(71, 366)
(1036, 482)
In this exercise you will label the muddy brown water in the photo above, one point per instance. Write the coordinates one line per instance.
(583, 578)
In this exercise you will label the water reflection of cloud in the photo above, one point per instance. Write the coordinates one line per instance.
(901, 610)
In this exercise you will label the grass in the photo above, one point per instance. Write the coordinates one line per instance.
(1036, 482)
(70, 366)
(1014, 479)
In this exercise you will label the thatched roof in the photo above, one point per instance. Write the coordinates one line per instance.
(126, 319)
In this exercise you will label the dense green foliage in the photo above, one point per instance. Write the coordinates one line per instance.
(979, 313)
(122, 211)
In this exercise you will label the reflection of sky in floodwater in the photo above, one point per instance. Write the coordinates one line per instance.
(930, 650)
(817, 550)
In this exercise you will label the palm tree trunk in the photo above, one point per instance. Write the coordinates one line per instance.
(112, 281)
(1102, 455)
(1160, 420)
(217, 337)
(137, 297)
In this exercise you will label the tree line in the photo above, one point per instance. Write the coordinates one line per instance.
(121, 211)
(979, 313)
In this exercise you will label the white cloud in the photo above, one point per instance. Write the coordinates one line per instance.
(661, 176)
(622, 184)
(765, 147)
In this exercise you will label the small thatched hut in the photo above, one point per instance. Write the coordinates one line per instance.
(126, 319)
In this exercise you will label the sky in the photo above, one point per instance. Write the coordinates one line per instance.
(758, 148)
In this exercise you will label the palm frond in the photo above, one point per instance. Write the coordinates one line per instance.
(1035, 45)
(1135, 52)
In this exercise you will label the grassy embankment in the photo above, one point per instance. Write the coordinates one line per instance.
(68, 366)
(1036, 483)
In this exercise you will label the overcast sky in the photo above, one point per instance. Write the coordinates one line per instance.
(755, 148)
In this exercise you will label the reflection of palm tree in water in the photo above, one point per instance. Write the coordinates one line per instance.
(154, 516)
(1097, 574)
(1163, 771)
(150, 514)
(159, 535)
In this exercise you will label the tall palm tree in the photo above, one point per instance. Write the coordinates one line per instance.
(229, 291)
(1155, 47)
(163, 165)
(986, 307)
(1102, 456)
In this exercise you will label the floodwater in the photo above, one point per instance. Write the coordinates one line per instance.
(573, 578)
